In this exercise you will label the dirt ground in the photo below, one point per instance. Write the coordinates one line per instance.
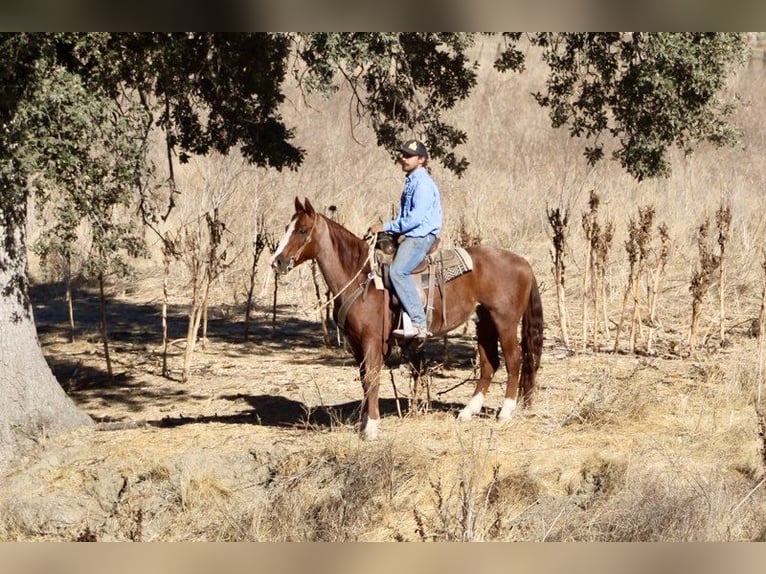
(255, 443)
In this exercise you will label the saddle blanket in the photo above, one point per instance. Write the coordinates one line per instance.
(451, 263)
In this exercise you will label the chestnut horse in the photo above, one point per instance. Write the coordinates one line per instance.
(501, 289)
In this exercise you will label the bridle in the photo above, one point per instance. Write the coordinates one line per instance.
(309, 235)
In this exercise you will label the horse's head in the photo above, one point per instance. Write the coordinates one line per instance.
(296, 245)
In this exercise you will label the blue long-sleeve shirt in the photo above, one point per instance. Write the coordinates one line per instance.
(420, 208)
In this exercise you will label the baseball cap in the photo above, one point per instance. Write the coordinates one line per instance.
(414, 147)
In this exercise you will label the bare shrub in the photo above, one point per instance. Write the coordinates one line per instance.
(465, 237)
(205, 255)
(655, 274)
(508, 498)
(598, 237)
(261, 238)
(637, 248)
(477, 503)
(651, 509)
(334, 496)
(761, 327)
(723, 223)
(461, 511)
(599, 478)
(558, 221)
(702, 277)
(461, 503)
(607, 402)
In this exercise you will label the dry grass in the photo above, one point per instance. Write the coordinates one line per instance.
(662, 444)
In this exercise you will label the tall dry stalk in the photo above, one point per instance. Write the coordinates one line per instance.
(655, 274)
(761, 326)
(464, 237)
(598, 242)
(170, 251)
(102, 325)
(590, 227)
(195, 265)
(259, 244)
(272, 243)
(643, 239)
(216, 262)
(723, 223)
(558, 221)
(637, 247)
(69, 296)
(600, 259)
(702, 277)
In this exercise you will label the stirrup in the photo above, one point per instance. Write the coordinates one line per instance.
(416, 332)
(409, 331)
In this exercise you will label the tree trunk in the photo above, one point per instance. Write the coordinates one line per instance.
(165, 298)
(250, 291)
(104, 335)
(32, 403)
(70, 299)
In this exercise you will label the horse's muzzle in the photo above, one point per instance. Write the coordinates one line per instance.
(282, 265)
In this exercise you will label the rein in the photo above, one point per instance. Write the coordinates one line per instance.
(370, 256)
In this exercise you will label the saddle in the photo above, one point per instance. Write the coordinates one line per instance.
(437, 268)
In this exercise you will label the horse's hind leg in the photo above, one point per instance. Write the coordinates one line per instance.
(489, 360)
(512, 354)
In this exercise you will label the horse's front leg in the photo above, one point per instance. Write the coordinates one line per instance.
(369, 371)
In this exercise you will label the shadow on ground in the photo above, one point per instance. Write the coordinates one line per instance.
(135, 337)
(276, 411)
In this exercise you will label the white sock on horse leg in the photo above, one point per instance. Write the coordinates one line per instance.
(370, 428)
(473, 407)
(509, 405)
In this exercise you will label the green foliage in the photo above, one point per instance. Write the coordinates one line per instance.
(18, 57)
(650, 91)
(89, 154)
(638, 94)
(401, 82)
(208, 91)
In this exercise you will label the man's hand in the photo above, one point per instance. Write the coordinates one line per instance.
(375, 228)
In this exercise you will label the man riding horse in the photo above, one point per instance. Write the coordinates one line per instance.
(418, 223)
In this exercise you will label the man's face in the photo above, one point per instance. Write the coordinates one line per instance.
(410, 162)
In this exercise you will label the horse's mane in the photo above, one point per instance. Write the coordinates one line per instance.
(352, 251)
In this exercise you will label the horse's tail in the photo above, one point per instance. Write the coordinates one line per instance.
(531, 342)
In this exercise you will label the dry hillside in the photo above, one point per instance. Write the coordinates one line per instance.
(664, 443)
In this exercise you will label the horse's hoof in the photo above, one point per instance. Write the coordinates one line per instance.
(370, 429)
(473, 407)
(506, 412)
(464, 416)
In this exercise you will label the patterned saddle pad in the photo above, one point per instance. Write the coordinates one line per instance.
(449, 263)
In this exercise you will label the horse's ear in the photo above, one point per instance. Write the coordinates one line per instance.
(298, 206)
(308, 206)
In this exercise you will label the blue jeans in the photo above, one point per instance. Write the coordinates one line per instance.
(411, 252)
